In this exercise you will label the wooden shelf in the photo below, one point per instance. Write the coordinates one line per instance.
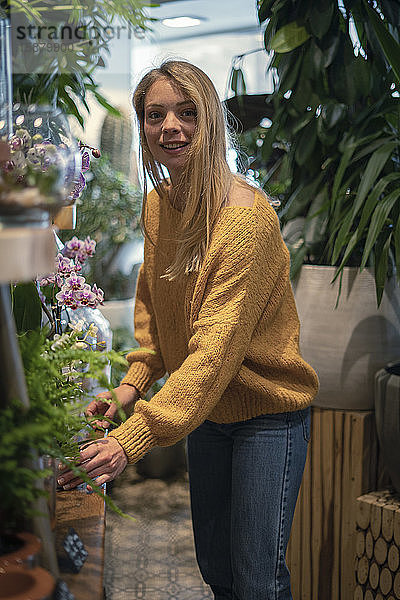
(26, 253)
(86, 514)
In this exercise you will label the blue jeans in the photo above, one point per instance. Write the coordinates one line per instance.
(244, 482)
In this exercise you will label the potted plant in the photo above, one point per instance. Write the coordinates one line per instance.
(47, 72)
(330, 152)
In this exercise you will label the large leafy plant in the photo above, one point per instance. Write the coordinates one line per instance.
(65, 78)
(332, 149)
(55, 421)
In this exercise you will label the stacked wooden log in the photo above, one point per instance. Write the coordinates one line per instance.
(378, 546)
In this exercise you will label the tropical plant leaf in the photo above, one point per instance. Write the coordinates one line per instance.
(289, 37)
(396, 238)
(374, 167)
(344, 163)
(390, 46)
(320, 19)
(264, 9)
(103, 102)
(324, 75)
(297, 259)
(381, 268)
(27, 307)
(306, 143)
(378, 219)
(370, 204)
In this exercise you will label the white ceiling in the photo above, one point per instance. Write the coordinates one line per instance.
(219, 16)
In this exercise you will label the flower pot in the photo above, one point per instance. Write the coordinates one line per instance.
(349, 344)
(19, 549)
(17, 583)
(43, 166)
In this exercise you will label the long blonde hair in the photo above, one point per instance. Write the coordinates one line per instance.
(206, 178)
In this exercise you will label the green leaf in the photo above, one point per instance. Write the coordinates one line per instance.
(372, 171)
(237, 82)
(390, 46)
(397, 248)
(330, 50)
(341, 237)
(381, 268)
(27, 307)
(306, 143)
(71, 108)
(361, 72)
(377, 143)
(370, 204)
(297, 259)
(377, 221)
(264, 10)
(344, 163)
(289, 37)
(321, 17)
(111, 109)
(333, 112)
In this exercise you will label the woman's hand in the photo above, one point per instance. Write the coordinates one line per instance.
(102, 460)
(126, 396)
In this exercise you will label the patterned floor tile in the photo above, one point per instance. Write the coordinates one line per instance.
(152, 558)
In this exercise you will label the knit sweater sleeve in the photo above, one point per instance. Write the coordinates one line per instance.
(244, 265)
(145, 367)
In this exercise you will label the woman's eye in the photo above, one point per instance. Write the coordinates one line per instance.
(189, 112)
(153, 115)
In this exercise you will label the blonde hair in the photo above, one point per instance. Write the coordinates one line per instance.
(206, 178)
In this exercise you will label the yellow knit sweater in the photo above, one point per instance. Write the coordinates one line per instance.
(228, 335)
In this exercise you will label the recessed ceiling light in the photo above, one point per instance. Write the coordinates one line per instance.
(182, 21)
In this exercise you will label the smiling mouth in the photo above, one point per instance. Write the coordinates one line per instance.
(174, 145)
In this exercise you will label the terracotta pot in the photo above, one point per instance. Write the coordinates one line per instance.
(17, 583)
(349, 344)
(19, 549)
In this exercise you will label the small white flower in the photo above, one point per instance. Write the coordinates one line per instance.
(77, 326)
(92, 331)
(80, 345)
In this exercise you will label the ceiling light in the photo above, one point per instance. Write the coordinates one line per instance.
(182, 21)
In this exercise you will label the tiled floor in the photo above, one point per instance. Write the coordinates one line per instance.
(152, 558)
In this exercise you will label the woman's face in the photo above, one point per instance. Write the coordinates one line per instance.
(169, 125)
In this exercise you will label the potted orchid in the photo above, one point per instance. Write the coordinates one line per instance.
(40, 170)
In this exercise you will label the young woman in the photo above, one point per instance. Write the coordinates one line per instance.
(215, 306)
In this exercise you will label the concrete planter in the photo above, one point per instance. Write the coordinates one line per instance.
(349, 344)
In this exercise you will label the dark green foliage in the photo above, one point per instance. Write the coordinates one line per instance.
(332, 150)
(64, 78)
(54, 376)
(27, 307)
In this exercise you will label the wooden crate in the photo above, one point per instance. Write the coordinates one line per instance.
(342, 464)
(377, 557)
